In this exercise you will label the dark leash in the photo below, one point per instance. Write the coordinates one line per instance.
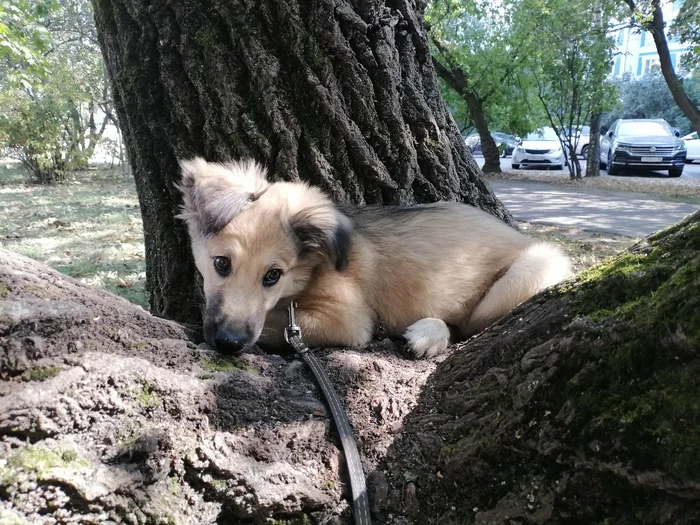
(360, 502)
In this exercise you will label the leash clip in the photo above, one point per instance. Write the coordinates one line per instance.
(292, 329)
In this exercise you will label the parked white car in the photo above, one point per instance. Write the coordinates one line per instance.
(539, 149)
(692, 143)
(583, 141)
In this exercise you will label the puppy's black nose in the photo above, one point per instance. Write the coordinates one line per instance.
(230, 341)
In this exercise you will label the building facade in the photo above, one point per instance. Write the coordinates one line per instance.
(636, 53)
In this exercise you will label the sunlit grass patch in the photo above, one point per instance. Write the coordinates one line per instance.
(89, 228)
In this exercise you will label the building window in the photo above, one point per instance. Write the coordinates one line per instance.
(617, 66)
(644, 39)
(620, 37)
(649, 63)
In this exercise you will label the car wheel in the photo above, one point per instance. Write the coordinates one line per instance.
(559, 167)
(515, 166)
(612, 170)
(584, 151)
(675, 172)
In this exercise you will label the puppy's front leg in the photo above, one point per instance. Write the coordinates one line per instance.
(322, 324)
(334, 324)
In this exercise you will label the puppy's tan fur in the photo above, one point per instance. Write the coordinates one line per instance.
(435, 273)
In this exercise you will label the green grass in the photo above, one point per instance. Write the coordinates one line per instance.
(89, 228)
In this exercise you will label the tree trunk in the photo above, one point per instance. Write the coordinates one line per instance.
(657, 27)
(593, 160)
(342, 96)
(580, 406)
(492, 157)
(456, 79)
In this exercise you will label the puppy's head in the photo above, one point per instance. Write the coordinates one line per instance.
(255, 243)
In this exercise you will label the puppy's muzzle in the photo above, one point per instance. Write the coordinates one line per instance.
(229, 340)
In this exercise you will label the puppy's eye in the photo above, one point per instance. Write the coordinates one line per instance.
(222, 265)
(271, 277)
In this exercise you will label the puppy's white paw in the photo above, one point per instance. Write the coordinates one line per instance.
(428, 337)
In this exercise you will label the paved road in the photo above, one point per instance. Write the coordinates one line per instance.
(625, 213)
(691, 171)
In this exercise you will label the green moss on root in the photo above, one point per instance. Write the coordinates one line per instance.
(41, 373)
(648, 385)
(146, 396)
(609, 419)
(38, 462)
(224, 364)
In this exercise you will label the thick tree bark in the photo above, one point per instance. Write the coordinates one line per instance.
(341, 95)
(580, 406)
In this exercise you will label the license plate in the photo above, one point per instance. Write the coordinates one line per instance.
(535, 157)
(652, 159)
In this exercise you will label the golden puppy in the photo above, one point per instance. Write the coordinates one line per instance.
(435, 273)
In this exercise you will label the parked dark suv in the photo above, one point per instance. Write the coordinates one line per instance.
(648, 144)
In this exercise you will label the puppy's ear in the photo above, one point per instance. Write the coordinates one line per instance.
(319, 227)
(213, 194)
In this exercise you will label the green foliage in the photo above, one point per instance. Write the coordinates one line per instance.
(32, 130)
(23, 39)
(477, 39)
(570, 65)
(50, 122)
(686, 28)
(649, 97)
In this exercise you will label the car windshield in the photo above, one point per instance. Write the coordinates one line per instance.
(542, 134)
(640, 129)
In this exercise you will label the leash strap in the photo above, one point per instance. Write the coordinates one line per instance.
(360, 503)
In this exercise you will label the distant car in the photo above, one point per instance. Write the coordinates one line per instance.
(692, 146)
(648, 144)
(473, 142)
(583, 140)
(539, 149)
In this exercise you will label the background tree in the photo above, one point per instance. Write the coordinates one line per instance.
(569, 67)
(343, 97)
(601, 21)
(52, 117)
(477, 54)
(649, 97)
(649, 16)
